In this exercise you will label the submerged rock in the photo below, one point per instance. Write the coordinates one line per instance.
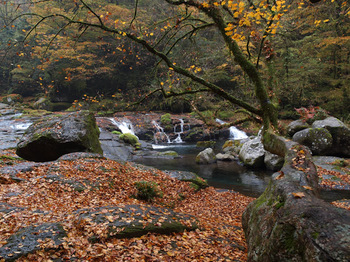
(52, 137)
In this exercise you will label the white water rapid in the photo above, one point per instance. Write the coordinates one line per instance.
(160, 133)
(125, 126)
(235, 133)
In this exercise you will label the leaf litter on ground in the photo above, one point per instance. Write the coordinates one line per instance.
(53, 192)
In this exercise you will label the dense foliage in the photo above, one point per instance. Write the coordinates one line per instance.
(300, 48)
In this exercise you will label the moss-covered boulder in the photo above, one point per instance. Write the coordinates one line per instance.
(206, 144)
(206, 156)
(12, 99)
(288, 222)
(165, 119)
(340, 134)
(131, 139)
(296, 126)
(54, 136)
(319, 140)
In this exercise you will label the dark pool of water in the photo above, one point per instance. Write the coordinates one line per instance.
(227, 175)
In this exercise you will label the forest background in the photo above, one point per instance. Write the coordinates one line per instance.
(304, 59)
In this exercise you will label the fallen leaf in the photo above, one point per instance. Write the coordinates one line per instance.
(308, 187)
(298, 194)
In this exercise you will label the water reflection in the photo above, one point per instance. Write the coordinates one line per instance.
(226, 175)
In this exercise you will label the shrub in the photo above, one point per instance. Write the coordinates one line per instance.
(147, 191)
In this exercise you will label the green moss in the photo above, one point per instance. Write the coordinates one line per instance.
(116, 132)
(129, 138)
(228, 143)
(165, 119)
(290, 242)
(168, 153)
(206, 144)
(4, 157)
(92, 139)
(315, 235)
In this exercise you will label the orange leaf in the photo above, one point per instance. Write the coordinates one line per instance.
(308, 187)
(298, 195)
(280, 175)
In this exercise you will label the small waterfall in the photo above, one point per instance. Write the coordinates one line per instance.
(235, 133)
(160, 132)
(125, 126)
(178, 138)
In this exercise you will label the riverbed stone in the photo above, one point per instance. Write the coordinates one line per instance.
(273, 162)
(52, 137)
(340, 134)
(206, 156)
(252, 153)
(319, 140)
(226, 157)
(296, 126)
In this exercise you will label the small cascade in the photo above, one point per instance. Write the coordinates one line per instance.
(178, 138)
(160, 133)
(235, 133)
(260, 131)
(125, 126)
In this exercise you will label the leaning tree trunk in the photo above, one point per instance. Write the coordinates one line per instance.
(288, 222)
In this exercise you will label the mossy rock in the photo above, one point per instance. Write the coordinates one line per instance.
(168, 153)
(130, 139)
(165, 119)
(206, 144)
(228, 143)
(12, 99)
(54, 136)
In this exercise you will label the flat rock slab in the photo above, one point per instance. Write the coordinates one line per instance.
(132, 221)
(30, 239)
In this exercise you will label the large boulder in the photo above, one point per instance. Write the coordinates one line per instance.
(252, 153)
(273, 162)
(52, 137)
(319, 140)
(207, 156)
(288, 222)
(296, 126)
(340, 134)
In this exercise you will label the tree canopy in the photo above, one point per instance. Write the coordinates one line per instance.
(188, 41)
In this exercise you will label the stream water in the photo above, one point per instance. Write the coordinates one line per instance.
(223, 174)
